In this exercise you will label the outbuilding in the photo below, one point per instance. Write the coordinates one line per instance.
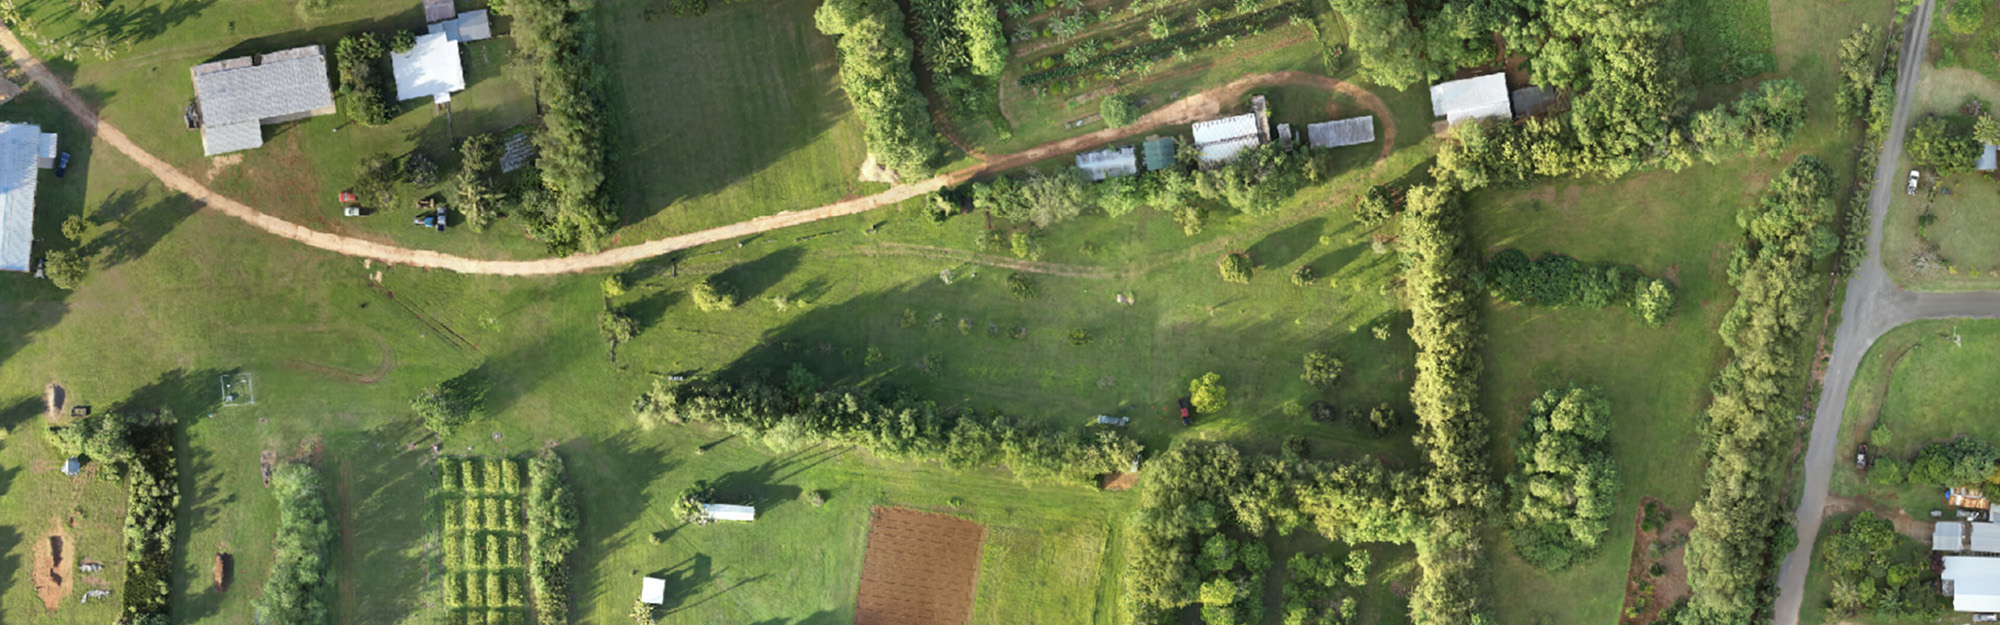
(1220, 140)
(22, 147)
(1948, 536)
(1476, 98)
(1110, 163)
(235, 98)
(72, 466)
(1972, 582)
(653, 591)
(728, 512)
(1985, 538)
(431, 69)
(1342, 132)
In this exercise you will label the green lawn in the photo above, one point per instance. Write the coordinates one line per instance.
(1975, 52)
(1729, 40)
(1924, 387)
(1957, 250)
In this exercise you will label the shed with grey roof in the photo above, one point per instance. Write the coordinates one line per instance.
(1340, 132)
(1985, 538)
(1109, 163)
(236, 97)
(21, 147)
(1948, 536)
(1160, 153)
(466, 28)
(1220, 140)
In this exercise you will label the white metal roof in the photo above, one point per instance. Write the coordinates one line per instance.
(1989, 158)
(653, 590)
(1985, 537)
(20, 147)
(1481, 97)
(727, 512)
(1226, 150)
(1225, 129)
(429, 69)
(1948, 536)
(1109, 163)
(1975, 582)
(467, 27)
(1350, 131)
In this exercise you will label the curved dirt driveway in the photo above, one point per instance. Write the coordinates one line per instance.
(1187, 110)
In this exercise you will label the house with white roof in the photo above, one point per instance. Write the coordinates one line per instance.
(235, 98)
(1477, 98)
(1972, 582)
(24, 148)
(1109, 163)
(430, 69)
(1220, 140)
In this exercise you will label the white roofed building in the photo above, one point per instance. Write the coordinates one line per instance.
(1220, 140)
(1985, 538)
(727, 512)
(1948, 536)
(1109, 163)
(21, 150)
(430, 69)
(1481, 97)
(1342, 132)
(1972, 582)
(653, 591)
(237, 97)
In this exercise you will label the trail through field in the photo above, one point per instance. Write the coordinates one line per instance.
(1192, 108)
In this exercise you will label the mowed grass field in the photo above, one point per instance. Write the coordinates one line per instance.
(1680, 226)
(1966, 252)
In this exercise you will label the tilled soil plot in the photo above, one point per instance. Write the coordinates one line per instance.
(920, 569)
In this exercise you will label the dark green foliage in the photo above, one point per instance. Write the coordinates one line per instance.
(1557, 281)
(1303, 276)
(376, 179)
(1376, 206)
(1964, 461)
(1235, 268)
(875, 69)
(1888, 472)
(1858, 64)
(898, 428)
(1750, 422)
(1116, 110)
(1943, 142)
(473, 189)
(360, 60)
(66, 269)
(1130, 56)
(1878, 571)
(1259, 180)
(712, 295)
(295, 593)
(687, 8)
(940, 208)
(1312, 586)
(552, 527)
(551, 37)
(1321, 369)
(1965, 16)
(1021, 286)
(1564, 487)
(141, 450)
(1383, 419)
(1762, 121)
(985, 44)
(1653, 301)
(1044, 199)
(446, 407)
(1388, 46)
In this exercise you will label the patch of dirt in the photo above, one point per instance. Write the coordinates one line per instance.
(1671, 585)
(53, 398)
(1117, 480)
(265, 463)
(53, 565)
(220, 163)
(1905, 524)
(225, 568)
(920, 569)
(872, 171)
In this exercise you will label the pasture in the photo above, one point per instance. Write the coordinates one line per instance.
(1946, 242)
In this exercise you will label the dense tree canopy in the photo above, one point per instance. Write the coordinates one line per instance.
(1564, 487)
(876, 71)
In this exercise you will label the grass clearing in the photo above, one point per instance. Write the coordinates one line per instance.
(1729, 40)
(1922, 385)
(1946, 242)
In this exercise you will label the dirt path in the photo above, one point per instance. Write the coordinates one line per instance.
(1195, 107)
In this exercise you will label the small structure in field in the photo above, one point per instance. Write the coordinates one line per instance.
(1948, 536)
(653, 591)
(238, 97)
(1972, 582)
(1105, 419)
(430, 69)
(1342, 132)
(729, 512)
(467, 28)
(22, 147)
(1220, 140)
(1109, 163)
(1989, 157)
(72, 466)
(1967, 498)
(1476, 98)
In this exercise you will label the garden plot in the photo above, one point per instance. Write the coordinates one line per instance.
(920, 568)
(485, 549)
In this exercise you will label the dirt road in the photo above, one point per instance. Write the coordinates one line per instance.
(1195, 107)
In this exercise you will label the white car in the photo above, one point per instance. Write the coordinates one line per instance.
(1912, 189)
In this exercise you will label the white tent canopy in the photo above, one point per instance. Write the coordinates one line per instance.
(429, 69)
(653, 590)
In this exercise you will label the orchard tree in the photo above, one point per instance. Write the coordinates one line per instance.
(1235, 268)
(712, 295)
(1321, 369)
(1207, 393)
(65, 268)
(448, 406)
(1116, 109)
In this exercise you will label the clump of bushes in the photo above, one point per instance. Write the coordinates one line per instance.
(1564, 485)
(712, 295)
(1558, 281)
(295, 593)
(359, 60)
(1235, 268)
(876, 70)
(552, 526)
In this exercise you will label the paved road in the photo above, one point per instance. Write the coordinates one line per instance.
(1874, 306)
(1203, 105)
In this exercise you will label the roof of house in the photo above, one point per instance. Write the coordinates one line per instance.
(252, 89)
(1226, 129)
(1975, 583)
(1987, 158)
(1109, 163)
(466, 28)
(430, 69)
(223, 139)
(728, 512)
(20, 148)
(1530, 100)
(1228, 149)
(1350, 131)
(1480, 97)
(1160, 153)
(1985, 538)
(439, 10)
(653, 590)
(1948, 536)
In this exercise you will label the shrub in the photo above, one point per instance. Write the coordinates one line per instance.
(1321, 369)
(1021, 286)
(1079, 337)
(294, 594)
(1564, 485)
(1303, 276)
(1375, 207)
(1207, 393)
(1887, 472)
(551, 529)
(1966, 16)
(1881, 436)
(1116, 110)
(66, 269)
(712, 295)
(1235, 268)
(1653, 300)
(446, 407)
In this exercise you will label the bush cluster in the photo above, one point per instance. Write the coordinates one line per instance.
(1564, 487)
(295, 593)
(787, 417)
(1313, 583)
(359, 60)
(1131, 56)
(1874, 571)
(552, 525)
(1556, 280)
(875, 69)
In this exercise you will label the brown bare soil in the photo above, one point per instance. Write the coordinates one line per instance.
(1667, 588)
(920, 569)
(53, 399)
(53, 565)
(267, 462)
(225, 568)
(1118, 480)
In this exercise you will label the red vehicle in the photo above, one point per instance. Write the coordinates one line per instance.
(1187, 412)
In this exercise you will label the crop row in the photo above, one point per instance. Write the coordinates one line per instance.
(484, 590)
(486, 617)
(494, 476)
(484, 551)
(488, 513)
(1131, 56)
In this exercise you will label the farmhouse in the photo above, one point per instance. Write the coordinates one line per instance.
(429, 69)
(1482, 97)
(1109, 163)
(1220, 140)
(653, 591)
(1948, 536)
(23, 148)
(1972, 582)
(1337, 133)
(727, 512)
(237, 97)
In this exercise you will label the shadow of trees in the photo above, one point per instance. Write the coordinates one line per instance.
(1284, 246)
(610, 478)
(381, 499)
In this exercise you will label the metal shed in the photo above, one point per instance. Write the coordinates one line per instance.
(728, 512)
(1479, 97)
(1342, 132)
(1948, 536)
(1985, 538)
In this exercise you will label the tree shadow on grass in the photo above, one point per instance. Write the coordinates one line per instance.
(610, 478)
(762, 485)
(1331, 262)
(753, 278)
(1284, 246)
(139, 231)
(379, 487)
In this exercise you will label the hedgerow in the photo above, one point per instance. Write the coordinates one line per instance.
(552, 525)
(550, 36)
(1130, 56)
(875, 71)
(294, 594)
(141, 450)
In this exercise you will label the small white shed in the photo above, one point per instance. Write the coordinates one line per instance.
(727, 512)
(653, 591)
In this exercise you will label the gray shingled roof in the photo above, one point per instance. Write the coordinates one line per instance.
(231, 137)
(286, 83)
(1342, 132)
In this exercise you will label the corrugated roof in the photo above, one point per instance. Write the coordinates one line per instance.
(1985, 538)
(1109, 163)
(231, 137)
(1225, 150)
(728, 512)
(1351, 131)
(1948, 536)
(467, 28)
(1975, 583)
(439, 10)
(1225, 129)
(287, 82)
(1481, 97)
(1160, 153)
(19, 149)
(431, 68)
